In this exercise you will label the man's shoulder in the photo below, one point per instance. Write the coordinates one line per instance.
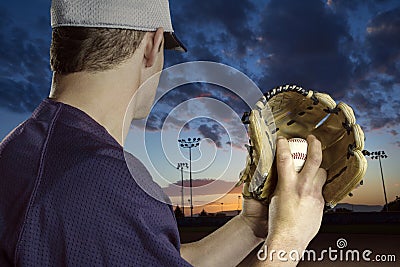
(87, 168)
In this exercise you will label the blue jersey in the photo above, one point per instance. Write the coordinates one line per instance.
(67, 198)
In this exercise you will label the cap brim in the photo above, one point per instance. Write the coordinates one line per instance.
(172, 42)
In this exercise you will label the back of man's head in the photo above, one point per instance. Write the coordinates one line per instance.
(75, 49)
(97, 35)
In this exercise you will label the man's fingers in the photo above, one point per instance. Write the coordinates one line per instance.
(284, 160)
(320, 179)
(314, 157)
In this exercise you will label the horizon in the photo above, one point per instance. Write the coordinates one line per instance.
(217, 209)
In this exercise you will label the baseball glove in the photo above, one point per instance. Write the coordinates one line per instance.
(292, 111)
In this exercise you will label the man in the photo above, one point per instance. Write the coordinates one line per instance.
(66, 194)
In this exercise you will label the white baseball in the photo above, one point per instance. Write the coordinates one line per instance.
(298, 147)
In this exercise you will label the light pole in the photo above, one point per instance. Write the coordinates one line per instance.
(238, 204)
(190, 143)
(222, 207)
(378, 155)
(180, 166)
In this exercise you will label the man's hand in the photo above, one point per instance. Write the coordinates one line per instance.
(295, 214)
(296, 208)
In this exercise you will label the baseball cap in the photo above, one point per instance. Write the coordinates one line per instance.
(142, 15)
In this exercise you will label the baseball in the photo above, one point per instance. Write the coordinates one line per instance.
(298, 147)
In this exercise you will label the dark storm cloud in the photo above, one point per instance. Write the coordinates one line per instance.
(380, 121)
(376, 96)
(155, 121)
(203, 17)
(303, 41)
(345, 5)
(201, 49)
(24, 67)
(394, 132)
(217, 31)
(353, 5)
(213, 131)
(383, 43)
(187, 92)
(376, 109)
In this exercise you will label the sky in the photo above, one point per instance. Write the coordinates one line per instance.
(349, 49)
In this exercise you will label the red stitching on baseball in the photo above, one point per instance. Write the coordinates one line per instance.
(299, 155)
(296, 139)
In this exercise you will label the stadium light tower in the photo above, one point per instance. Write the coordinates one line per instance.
(379, 155)
(180, 166)
(190, 143)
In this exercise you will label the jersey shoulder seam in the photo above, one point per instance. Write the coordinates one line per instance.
(37, 180)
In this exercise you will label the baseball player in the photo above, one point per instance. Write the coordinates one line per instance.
(67, 197)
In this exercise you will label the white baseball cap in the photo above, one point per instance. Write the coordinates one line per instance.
(142, 15)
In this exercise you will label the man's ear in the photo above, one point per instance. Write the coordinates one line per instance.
(154, 46)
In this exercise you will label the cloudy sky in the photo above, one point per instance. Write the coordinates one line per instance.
(349, 49)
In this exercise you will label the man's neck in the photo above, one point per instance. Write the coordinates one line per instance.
(104, 96)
